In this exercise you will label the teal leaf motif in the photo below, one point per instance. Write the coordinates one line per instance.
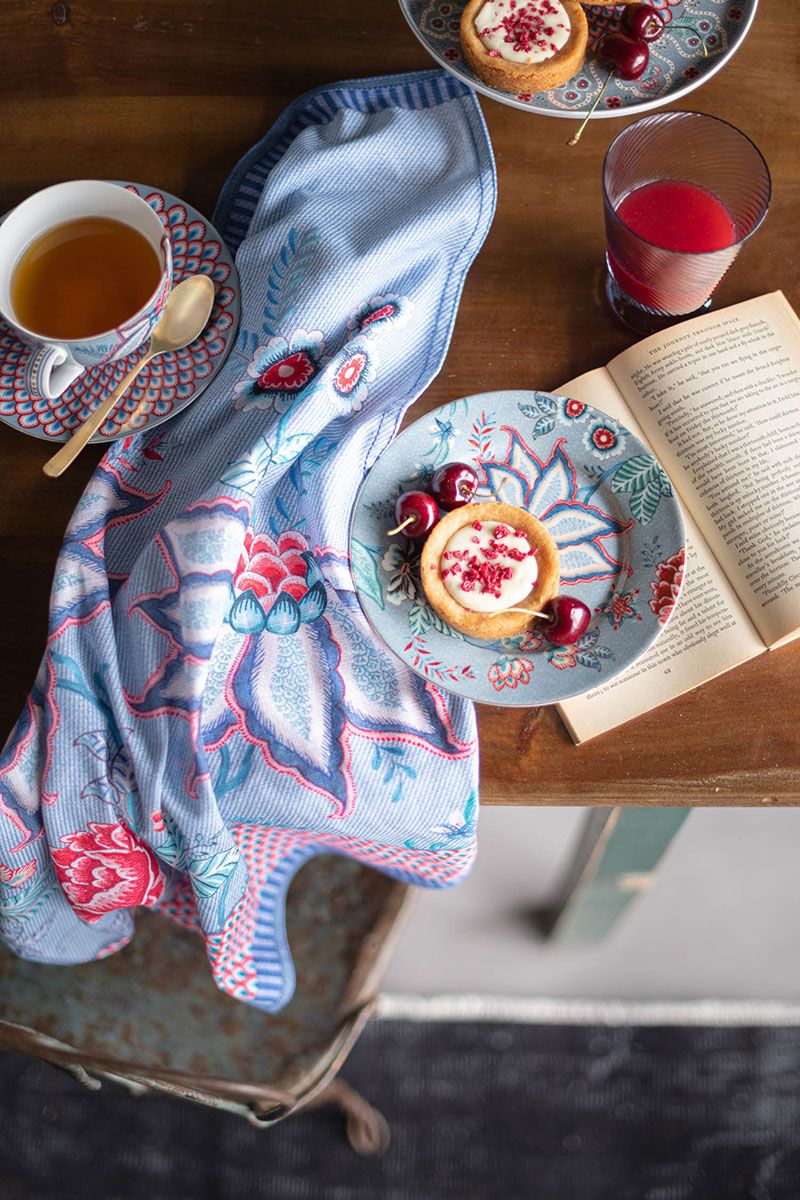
(247, 614)
(25, 901)
(645, 502)
(284, 616)
(645, 480)
(588, 658)
(545, 404)
(436, 622)
(313, 604)
(290, 448)
(171, 850)
(635, 474)
(99, 742)
(247, 472)
(208, 875)
(419, 619)
(313, 573)
(286, 275)
(543, 425)
(528, 410)
(364, 566)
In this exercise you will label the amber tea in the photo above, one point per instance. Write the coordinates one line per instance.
(83, 277)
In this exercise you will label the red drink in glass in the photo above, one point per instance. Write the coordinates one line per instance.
(682, 192)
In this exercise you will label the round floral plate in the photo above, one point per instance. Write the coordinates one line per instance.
(602, 495)
(165, 385)
(676, 68)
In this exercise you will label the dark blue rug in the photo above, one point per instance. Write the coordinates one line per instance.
(477, 1112)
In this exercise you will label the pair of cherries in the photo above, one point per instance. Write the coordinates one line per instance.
(627, 52)
(452, 486)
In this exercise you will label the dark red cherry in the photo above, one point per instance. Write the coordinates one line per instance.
(416, 514)
(642, 21)
(627, 57)
(454, 484)
(569, 620)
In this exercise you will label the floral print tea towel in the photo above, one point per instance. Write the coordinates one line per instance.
(212, 707)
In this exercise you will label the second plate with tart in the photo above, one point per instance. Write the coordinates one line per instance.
(677, 65)
(556, 460)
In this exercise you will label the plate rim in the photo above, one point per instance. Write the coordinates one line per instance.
(443, 686)
(609, 114)
(104, 439)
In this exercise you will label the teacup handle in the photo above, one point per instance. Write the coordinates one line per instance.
(50, 371)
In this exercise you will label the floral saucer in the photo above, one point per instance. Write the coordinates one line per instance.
(677, 65)
(603, 497)
(165, 385)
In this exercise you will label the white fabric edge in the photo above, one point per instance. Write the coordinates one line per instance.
(525, 1010)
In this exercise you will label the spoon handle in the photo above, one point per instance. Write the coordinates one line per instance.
(71, 449)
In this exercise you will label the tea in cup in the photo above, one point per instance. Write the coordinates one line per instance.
(85, 269)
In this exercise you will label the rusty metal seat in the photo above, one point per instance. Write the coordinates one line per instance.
(150, 1017)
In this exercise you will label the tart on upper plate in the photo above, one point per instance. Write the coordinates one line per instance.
(483, 559)
(524, 45)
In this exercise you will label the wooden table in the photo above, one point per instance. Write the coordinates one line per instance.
(173, 93)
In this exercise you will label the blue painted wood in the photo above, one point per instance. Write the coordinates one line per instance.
(615, 861)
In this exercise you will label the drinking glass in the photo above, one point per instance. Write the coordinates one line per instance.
(649, 286)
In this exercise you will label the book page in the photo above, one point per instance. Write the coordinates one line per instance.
(719, 400)
(708, 633)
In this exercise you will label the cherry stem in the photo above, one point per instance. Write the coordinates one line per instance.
(400, 528)
(696, 33)
(529, 612)
(576, 137)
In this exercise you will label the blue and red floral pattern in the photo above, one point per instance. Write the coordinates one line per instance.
(602, 496)
(213, 706)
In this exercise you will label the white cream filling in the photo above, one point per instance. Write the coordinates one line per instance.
(478, 545)
(534, 30)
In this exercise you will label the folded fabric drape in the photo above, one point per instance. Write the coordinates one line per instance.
(213, 707)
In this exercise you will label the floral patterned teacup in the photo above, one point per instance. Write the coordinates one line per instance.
(54, 364)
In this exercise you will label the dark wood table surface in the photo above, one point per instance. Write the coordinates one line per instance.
(172, 92)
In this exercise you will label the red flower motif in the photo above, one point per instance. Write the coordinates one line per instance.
(17, 876)
(574, 409)
(350, 372)
(379, 314)
(509, 673)
(269, 568)
(106, 867)
(604, 438)
(288, 375)
(613, 102)
(667, 585)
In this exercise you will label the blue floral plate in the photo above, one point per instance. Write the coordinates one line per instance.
(602, 495)
(677, 65)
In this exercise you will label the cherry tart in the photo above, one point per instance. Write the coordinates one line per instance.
(524, 45)
(483, 559)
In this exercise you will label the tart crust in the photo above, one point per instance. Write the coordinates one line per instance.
(481, 624)
(526, 77)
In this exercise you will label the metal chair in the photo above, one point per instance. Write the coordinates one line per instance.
(150, 1017)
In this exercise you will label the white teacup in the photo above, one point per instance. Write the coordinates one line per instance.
(55, 363)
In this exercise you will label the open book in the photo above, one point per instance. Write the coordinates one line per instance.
(718, 400)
